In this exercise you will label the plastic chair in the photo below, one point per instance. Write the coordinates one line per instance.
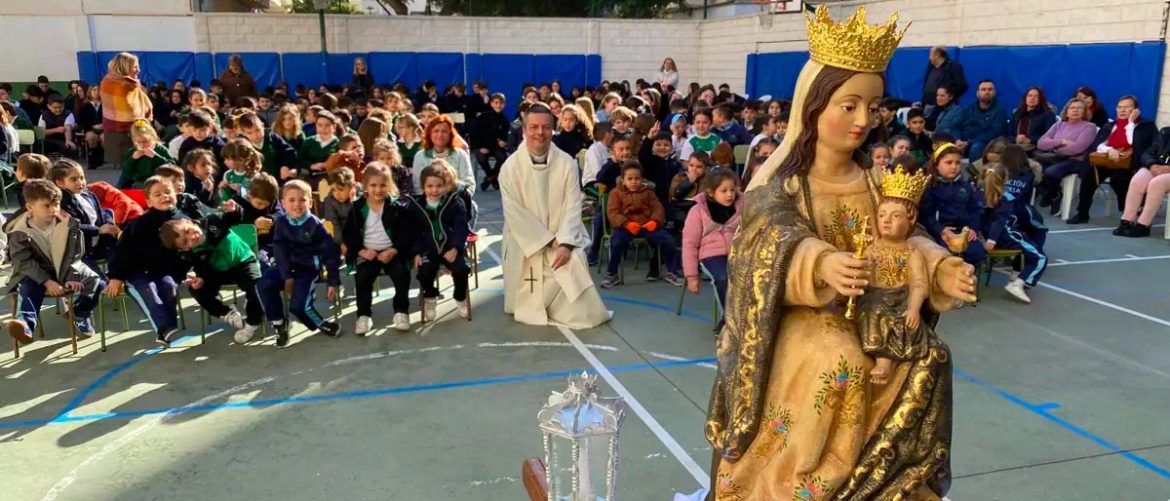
(247, 233)
(1166, 220)
(607, 231)
(741, 153)
(7, 176)
(27, 137)
(1001, 257)
(1068, 188)
(457, 118)
(39, 136)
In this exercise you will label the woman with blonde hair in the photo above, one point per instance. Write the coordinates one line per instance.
(586, 105)
(361, 75)
(123, 101)
(287, 125)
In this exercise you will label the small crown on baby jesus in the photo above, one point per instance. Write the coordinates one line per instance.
(900, 184)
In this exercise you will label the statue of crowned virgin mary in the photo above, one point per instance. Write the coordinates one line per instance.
(793, 413)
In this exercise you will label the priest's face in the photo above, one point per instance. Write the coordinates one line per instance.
(538, 128)
(852, 111)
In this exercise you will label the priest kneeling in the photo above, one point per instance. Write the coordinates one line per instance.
(546, 277)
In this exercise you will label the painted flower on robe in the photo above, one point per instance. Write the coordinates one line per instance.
(842, 380)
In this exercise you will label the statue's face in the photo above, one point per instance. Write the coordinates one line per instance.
(894, 220)
(851, 113)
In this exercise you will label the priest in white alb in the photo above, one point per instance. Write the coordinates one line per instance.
(546, 277)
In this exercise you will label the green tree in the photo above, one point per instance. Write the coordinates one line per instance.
(335, 7)
(546, 8)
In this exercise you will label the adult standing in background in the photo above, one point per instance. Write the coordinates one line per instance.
(668, 74)
(123, 102)
(237, 82)
(361, 76)
(941, 71)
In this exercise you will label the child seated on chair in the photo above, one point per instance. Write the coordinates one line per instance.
(303, 250)
(218, 257)
(952, 209)
(202, 125)
(337, 206)
(378, 239)
(147, 155)
(98, 231)
(635, 212)
(280, 157)
(708, 231)
(199, 176)
(243, 163)
(261, 209)
(46, 249)
(153, 271)
(608, 177)
(189, 205)
(1013, 224)
(30, 166)
(441, 221)
(350, 153)
(386, 152)
(58, 124)
(125, 209)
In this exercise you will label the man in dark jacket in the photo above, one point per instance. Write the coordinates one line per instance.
(981, 122)
(941, 71)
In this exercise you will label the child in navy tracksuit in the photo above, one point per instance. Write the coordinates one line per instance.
(952, 207)
(151, 270)
(303, 249)
(97, 228)
(1012, 223)
(440, 216)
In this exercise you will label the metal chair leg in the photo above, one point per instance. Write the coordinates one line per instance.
(15, 343)
(70, 316)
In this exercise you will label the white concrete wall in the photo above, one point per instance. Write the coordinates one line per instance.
(705, 51)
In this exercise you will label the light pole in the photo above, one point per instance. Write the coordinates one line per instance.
(321, 5)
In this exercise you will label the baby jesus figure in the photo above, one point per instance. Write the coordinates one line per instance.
(889, 319)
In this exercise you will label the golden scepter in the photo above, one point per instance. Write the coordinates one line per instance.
(861, 241)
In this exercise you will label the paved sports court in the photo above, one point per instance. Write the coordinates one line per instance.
(1063, 399)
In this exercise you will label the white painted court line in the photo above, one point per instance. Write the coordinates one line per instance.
(671, 444)
(1107, 304)
(1128, 257)
(1083, 230)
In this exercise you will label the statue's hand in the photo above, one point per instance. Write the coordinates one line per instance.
(956, 279)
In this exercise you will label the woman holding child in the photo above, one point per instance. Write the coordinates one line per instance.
(795, 412)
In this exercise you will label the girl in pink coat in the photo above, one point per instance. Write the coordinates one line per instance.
(708, 231)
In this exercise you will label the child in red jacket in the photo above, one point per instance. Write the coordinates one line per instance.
(635, 212)
(125, 208)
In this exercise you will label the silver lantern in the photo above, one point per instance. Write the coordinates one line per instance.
(581, 431)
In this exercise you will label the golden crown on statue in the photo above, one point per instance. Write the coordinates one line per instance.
(854, 44)
(899, 184)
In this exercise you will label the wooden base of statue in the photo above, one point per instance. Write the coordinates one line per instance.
(535, 479)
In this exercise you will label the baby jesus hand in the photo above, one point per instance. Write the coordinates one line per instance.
(913, 318)
(881, 371)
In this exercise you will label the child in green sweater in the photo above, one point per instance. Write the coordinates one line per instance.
(218, 257)
(317, 148)
(149, 153)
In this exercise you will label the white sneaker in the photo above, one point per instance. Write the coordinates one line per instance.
(402, 322)
(1013, 276)
(245, 334)
(234, 319)
(362, 326)
(464, 309)
(1016, 289)
(431, 308)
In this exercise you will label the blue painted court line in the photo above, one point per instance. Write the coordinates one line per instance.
(399, 390)
(1043, 409)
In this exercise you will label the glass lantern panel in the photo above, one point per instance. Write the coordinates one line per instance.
(590, 480)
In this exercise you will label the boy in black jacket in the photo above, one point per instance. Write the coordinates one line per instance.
(199, 176)
(188, 204)
(262, 209)
(201, 137)
(490, 140)
(153, 271)
(388, 250)
(97, 228)
(440, 219)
